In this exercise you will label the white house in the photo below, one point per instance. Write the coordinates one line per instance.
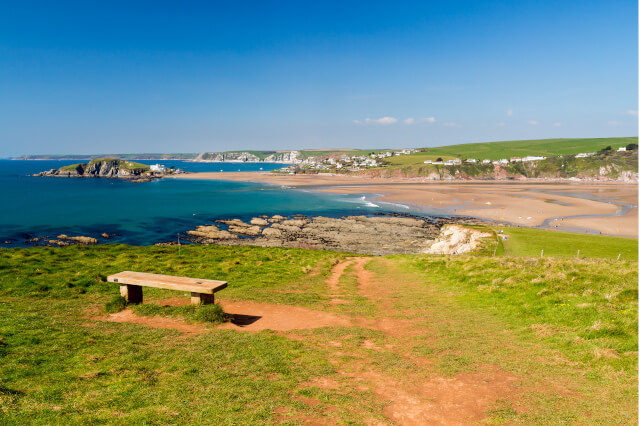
(457, 161)
(585, 154)
(486, 161)
(471, 160)
(622, 149)
(158, 168)
(533, 158)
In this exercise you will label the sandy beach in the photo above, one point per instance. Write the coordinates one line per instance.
(521, 203)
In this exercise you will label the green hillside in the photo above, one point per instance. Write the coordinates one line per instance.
(508, 149)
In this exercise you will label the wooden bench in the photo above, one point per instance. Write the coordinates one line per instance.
(131, 284)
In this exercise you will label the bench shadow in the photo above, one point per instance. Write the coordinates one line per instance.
(242, 320)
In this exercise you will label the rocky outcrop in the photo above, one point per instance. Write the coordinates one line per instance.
(65, 240)
(456, 239)
(209, 234)
(378, 235)
(628, 176)
(259, 221)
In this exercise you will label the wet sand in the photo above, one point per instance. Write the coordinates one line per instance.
(522, 203)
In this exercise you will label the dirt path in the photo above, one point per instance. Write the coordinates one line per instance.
(421, 397)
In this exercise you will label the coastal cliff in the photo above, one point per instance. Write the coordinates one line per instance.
(604, 166)
(289, 157)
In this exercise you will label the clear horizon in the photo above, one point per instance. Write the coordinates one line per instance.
(90, 79)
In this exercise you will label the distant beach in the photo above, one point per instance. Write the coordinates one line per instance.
(606, 208)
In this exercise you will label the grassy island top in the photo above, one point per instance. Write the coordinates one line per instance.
(122, 164)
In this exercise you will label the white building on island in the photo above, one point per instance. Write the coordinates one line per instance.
(158, 168)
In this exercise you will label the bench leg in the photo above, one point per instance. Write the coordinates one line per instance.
(133, 293)
(202, 299)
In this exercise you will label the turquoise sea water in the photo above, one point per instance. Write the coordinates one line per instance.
(146, 213)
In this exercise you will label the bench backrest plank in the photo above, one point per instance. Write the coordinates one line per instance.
(168, 282)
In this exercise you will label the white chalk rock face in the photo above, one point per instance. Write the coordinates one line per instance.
(456, 239)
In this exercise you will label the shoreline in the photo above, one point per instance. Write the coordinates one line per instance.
(565, 205)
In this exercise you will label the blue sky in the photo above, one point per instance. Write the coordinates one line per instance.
(98, 77)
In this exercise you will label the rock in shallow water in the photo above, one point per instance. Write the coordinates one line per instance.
(259, 221)
(207, 234)
(79, 239)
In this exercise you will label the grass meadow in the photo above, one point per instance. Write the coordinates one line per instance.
(560, 332)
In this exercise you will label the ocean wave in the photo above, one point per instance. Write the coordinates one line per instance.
(366, 202)
(404, 206)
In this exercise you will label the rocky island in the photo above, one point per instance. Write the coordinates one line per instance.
(112, 168)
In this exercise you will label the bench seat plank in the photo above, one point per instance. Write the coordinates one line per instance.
(169, 282)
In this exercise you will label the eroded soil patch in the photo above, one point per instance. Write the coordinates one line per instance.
(155, 322)
(252, 316)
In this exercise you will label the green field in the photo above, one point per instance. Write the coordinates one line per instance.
(508, 149)
(532, 340)
(531, 242)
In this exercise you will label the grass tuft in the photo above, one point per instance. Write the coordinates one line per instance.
(211, 314)
(117, 304)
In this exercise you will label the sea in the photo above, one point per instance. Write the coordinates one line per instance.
(151, 212)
